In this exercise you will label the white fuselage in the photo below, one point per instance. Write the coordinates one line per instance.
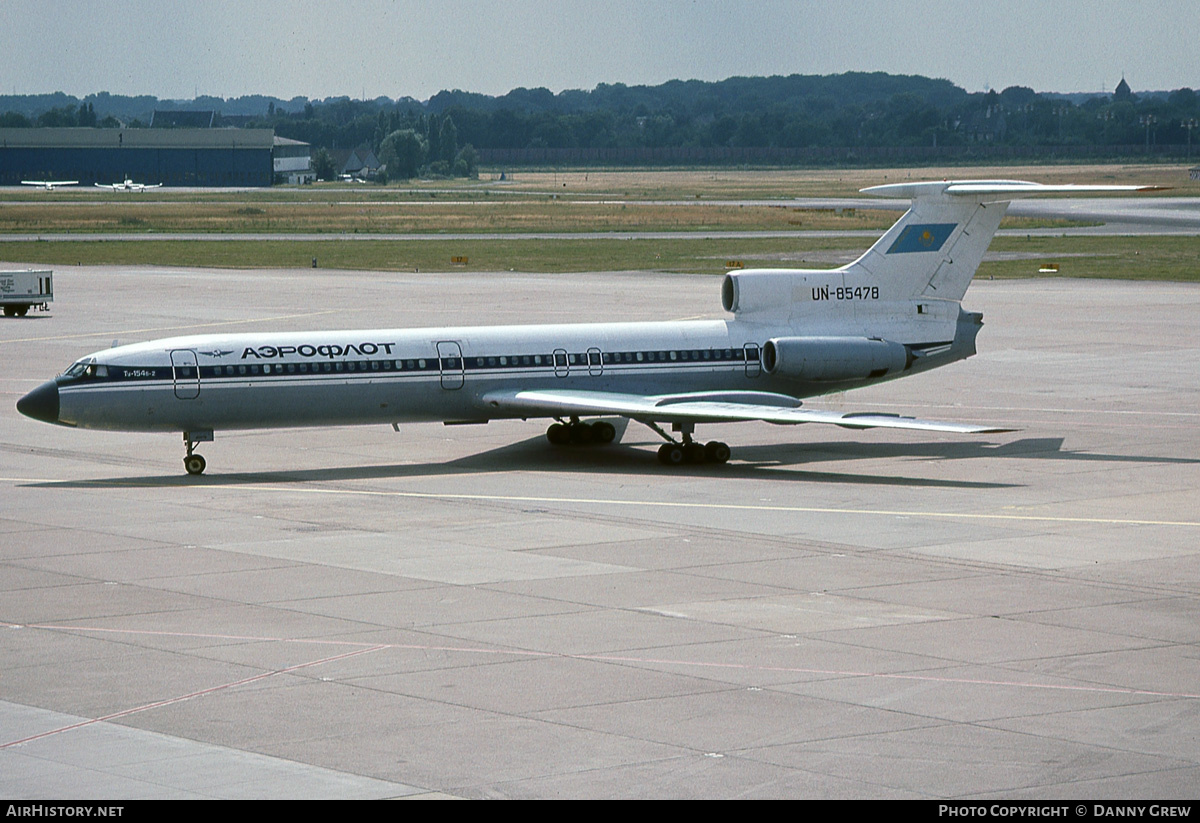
(216, 382)
(386, 376)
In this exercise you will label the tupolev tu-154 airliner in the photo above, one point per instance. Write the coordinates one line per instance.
(794, 333)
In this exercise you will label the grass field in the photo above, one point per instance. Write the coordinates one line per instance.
(690, 202)
(1133, 258)
(431, 216)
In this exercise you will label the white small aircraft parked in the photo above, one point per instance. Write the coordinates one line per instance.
(49, 185)
(793, 333)
(128, 185)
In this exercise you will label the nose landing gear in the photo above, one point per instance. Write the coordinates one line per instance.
(193, 463)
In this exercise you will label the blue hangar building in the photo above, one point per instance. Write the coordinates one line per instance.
(173, 157)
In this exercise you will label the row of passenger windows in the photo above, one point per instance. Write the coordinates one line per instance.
(557, 360)
(328, 367)
(595, 357)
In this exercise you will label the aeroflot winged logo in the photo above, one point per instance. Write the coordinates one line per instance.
(922, 237)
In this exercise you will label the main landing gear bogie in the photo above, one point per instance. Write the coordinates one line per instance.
(576, 433)
(687, 450)
(671, 453)
(676, 454)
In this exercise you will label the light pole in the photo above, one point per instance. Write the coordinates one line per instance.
(1190, 124)
(1106, 117)
(1147, 120)
(1060, 112)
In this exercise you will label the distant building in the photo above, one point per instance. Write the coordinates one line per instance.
(360, 162)
(1123, 91)
(182, 119)
(293, 162)
(986, 126)
(173, 157)
(1194, 172)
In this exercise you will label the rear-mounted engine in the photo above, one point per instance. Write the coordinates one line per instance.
(834, 359)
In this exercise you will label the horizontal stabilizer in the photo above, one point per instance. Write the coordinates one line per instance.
(993, 190)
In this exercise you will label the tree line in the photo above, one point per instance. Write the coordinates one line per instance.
(707, 119)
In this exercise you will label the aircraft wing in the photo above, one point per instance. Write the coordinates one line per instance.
(710, 407)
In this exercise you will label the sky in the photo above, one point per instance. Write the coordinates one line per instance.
(411, 48)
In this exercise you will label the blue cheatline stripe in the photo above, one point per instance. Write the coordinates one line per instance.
(277, 375)
(475, 364)
(922, 237)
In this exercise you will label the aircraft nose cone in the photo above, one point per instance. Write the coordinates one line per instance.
(41, 403)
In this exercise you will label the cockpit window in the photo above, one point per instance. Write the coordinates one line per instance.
(79, 368)
(86, 368)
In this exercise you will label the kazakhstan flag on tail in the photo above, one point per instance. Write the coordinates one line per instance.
(922, 237)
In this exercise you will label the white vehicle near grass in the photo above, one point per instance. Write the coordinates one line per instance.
(26, 289)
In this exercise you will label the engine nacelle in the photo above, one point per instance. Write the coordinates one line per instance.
(834, 359)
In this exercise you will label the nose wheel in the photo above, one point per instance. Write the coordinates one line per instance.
(193, 463)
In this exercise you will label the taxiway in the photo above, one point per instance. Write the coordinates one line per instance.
(467, 612)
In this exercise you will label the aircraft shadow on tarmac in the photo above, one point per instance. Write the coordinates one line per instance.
(774, 462)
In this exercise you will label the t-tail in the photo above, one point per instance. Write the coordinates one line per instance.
(903, 293)
(914, 276)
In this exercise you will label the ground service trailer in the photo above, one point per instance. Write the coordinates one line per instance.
(21, 291)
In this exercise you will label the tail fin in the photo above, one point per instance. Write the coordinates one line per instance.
(930, 254)
(935, 248)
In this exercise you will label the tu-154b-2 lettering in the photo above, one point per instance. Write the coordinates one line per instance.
(794, 333)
